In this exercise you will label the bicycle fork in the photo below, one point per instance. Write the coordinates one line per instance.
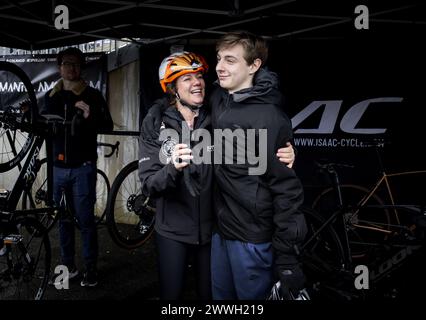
(16, 270)
(340, 212)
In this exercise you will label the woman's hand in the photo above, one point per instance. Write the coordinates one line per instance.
(287, 155)
(180, 154)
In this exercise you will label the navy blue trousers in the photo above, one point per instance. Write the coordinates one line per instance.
(241, 270)
(80, 187)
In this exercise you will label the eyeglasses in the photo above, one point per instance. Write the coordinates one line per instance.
(70, 64)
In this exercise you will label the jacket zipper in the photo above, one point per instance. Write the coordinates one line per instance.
(65, 135)
(227, 107)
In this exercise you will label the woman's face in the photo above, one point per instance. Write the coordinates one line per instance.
(191, 88)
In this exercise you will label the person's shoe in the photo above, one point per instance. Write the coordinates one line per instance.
(58, 279)
(90, 279)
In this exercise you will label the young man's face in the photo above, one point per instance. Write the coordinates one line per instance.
(70, 68)
(191, 88)
(232, 69)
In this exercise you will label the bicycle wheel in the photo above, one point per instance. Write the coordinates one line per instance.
(324, 261)
(25, 264)
(37, 196)
(130, 214)
(367, 227)
(323, 254)
(102, 191)
(15, 141)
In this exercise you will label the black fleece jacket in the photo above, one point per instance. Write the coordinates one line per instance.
(179, 215)
(71, 149)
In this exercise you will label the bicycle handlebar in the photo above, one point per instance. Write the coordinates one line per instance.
(13, 118)
(114, 147)
(331, 166)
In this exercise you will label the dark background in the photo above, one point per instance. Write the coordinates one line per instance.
(361, 65)
(315, 48)
(342, 63)
(352, 67)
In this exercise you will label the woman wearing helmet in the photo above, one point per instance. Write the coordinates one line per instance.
(183, 209)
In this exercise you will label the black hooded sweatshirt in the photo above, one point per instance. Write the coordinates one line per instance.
(263, 207)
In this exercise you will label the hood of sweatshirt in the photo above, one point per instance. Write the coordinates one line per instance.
(263, 91)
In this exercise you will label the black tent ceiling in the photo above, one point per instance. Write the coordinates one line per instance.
(29, 24)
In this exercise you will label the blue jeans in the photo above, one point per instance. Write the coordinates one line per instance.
(241, 270)
(79, 185)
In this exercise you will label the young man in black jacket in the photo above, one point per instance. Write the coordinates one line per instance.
(258, 222)
(74, 157)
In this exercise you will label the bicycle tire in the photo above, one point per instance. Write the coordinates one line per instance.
(325, 262)
(367, 228)
(15, 142)
(130, 215)
(322, 254)
(26, 269)
(36, 197)
(102, 186)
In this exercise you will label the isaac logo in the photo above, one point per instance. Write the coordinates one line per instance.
(329, 118)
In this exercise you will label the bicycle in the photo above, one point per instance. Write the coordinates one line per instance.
(36, 196)
(337, 241)
(23, 230)
(130, 214)
(370, 218)
(15, 142)
(25, 253)
(25, 257)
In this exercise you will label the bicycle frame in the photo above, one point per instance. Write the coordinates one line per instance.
(24, 264)
(346, 214)
(373, 192)
(357, 228)
(28, 173)
(385, 179)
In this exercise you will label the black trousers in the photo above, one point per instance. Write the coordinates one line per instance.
(173, 259)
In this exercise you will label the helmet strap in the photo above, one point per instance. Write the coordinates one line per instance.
(193, 107)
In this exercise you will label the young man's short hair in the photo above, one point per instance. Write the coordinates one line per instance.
(254, 46)
(71, 52)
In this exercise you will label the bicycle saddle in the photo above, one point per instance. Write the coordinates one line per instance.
(50, 117)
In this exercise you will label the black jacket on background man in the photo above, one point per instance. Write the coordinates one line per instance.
(179, 215)
(258, 208)
(73, 148)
